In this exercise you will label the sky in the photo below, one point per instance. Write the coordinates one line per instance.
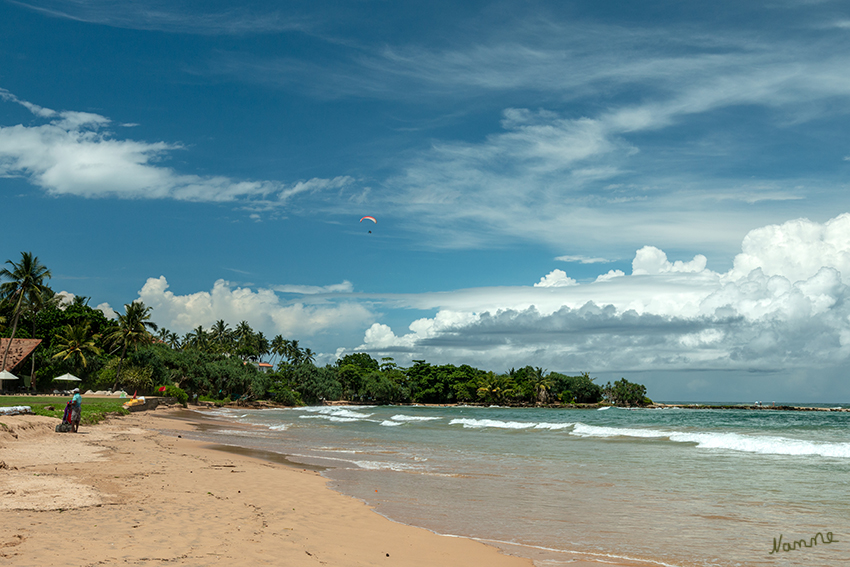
(653, 190)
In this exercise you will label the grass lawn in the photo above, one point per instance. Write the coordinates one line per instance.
(94, 409)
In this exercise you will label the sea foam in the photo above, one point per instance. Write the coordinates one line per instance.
(498, 424)
(765, 445)
(402, 417)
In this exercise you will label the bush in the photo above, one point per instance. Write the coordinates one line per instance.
(178, 394)
(219, 403)
(580, 389)
(625, 393)
(137, 378)
(285, 396)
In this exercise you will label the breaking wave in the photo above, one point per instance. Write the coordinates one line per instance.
(765, 445)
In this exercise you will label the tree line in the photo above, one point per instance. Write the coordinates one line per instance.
(223, 362)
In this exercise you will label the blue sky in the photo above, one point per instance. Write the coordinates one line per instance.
(652, 190)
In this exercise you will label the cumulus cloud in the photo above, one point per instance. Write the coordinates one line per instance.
(72, 154)
(610, 275)
(797, 249)
(65, 298)
(783, 305)
(556, 278)
(651, 260)
(107, 311)
(263, 308)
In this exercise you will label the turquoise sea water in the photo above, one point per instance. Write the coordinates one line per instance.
(667, 486)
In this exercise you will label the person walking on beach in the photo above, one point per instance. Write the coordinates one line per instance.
(76, 409)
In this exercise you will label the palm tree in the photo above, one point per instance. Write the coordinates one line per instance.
(243, 334)
(76, 342)
(261, 345)
(541, 384)
(220, 334)
(495, 388)
(132, 330)
(293, 352)
(26, 280)
(308, 355)
(198, 338)
(173, 340)
(278, 345)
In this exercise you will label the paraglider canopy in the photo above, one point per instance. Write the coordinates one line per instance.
(369, 218)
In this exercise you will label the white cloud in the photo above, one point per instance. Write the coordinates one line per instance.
(784, 305)
(107, 311)
(651, 260)
(610, 275)
(73, 155)
(582, 259)
(66, 298)
(797, 249)
(262, 308)
(344, 287)
(556, 278)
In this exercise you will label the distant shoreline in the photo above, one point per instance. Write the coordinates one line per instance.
(741, 406)
(748, 407)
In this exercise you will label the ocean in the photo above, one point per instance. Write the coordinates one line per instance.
(675, 487)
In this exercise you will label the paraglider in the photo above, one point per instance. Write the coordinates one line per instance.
(371, 219)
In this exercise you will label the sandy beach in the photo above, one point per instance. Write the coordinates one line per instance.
(123, 493)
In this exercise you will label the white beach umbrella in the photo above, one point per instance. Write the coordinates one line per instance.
(7, 376)
(68, 378)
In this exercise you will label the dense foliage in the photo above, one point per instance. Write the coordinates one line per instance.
(224, 362)
(625, 393)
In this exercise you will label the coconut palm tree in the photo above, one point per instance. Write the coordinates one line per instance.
(132, 330)
(278, 345)
(261, 345)
(26, 282)
(293, 352)
(541, 384)
(220, 334)
(198, 339)
(173, 340)
(75, 342)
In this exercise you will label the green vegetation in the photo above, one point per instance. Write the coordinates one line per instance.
(221, 364)
(25, 289)
(625, 393)
(94, 410)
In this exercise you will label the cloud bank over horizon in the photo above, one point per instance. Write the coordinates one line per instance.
(783, 305)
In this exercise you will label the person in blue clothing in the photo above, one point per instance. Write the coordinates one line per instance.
(76, 409)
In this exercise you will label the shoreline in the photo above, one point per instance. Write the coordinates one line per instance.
(135, 489)
(545, 555)
(123, 492)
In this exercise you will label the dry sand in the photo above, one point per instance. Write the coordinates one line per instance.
(122, 493)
